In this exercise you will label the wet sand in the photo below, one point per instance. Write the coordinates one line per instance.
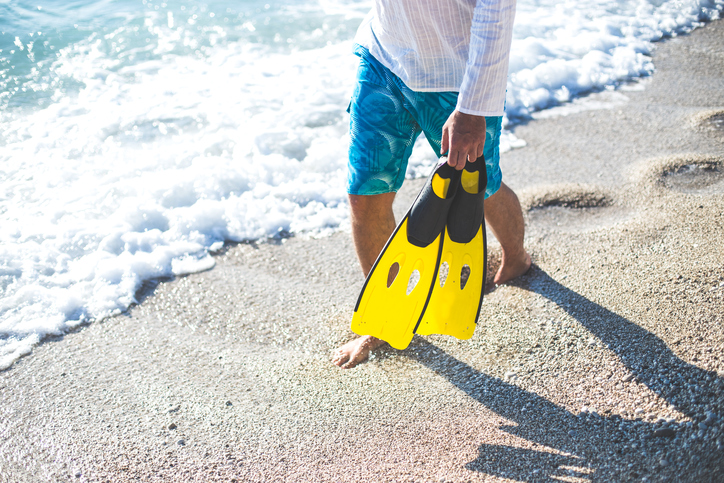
(604, 363)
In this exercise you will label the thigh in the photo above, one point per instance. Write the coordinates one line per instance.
(382, 133)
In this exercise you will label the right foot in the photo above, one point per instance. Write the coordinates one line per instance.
(355, 351)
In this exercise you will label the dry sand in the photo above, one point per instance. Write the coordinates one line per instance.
(604, 363)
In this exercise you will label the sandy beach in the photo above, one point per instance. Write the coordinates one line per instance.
(604, 363)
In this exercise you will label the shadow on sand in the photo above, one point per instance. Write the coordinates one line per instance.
(590, 446)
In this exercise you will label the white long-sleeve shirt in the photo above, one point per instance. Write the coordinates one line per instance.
(445, 45)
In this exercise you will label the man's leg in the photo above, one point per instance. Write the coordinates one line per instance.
(504, 216)
(382, 133)
(372, 224)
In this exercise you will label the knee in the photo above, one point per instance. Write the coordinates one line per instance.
(364, 206)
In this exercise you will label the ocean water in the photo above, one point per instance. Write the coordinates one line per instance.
(137, 137)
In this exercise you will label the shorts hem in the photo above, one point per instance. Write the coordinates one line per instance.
(371, 193)
(488, 194)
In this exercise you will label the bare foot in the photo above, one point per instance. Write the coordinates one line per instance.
(355, 351)
(512, 268)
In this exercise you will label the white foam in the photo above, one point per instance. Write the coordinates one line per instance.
(563, 49)
(146, 169)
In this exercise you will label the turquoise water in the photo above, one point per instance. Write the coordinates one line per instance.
(33, 35)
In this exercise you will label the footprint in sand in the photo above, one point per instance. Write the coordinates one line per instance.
(699, 175)
(711, 122)
(572, 208)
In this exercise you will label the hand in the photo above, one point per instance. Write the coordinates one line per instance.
(463, 138)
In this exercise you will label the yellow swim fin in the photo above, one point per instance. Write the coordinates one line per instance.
(457, 293)
(398, 288)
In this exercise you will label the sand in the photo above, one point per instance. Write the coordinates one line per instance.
(604, 363)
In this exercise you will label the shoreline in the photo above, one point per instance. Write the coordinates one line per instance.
(604, 363)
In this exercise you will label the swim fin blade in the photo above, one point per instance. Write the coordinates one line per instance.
(399, 285)
(457, 293)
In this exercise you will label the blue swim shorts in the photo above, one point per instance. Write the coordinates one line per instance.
(386, 117)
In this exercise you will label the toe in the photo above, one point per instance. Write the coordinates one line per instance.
(339, 358)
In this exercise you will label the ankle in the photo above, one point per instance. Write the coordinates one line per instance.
(515, 258)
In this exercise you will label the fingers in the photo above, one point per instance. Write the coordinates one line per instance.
(458, 157)
(463, 138)
(459, 152)
(444, 143)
